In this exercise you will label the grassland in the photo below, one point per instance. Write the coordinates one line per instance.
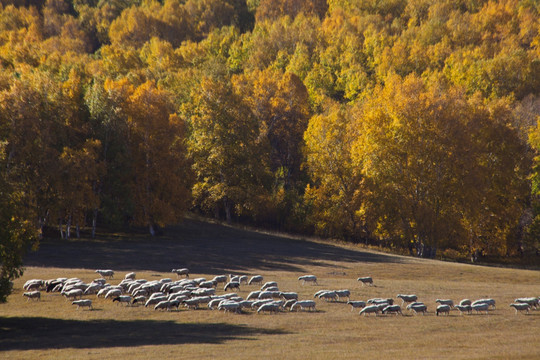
(54, 329)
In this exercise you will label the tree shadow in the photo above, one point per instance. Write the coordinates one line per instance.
(203, 247)
(38, 333)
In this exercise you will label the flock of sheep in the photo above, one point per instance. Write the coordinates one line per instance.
(168, 294)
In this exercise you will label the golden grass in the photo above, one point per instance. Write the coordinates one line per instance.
(54, 329)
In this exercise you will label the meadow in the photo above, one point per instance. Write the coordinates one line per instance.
(53, 329)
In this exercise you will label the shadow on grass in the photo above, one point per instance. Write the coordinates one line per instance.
(35, 333)
(202, 247)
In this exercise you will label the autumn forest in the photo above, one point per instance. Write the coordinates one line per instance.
(395, 122)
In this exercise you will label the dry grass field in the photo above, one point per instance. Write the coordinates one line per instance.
(53, 329)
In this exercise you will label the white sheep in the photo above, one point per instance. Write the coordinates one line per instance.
(269, 295)
(165, 304)
(465, 302)
(208, 284)
(490, 302)
(243, 279)
(232, 285)
(343, 294)
(366, 280)
(443, 309)
(308, 278)
(304, 304)
(270, 307)
(417, 307)
(113, 293)
(253, 295)
(73, 294)
(34, 295)
(369, 310)
(34, 284)
(329, 296)
(392, 309)
(407, 298)
(130, 276)
(155, 300)
(521, 306)
(106, 273)
(126, 299)
(259, 303)
(316, 295)
(256, 279)
(268, 284)
(448, 302)
(463, 308)
(289, 303)
(220, 279)
(289, 295)
(481, 306)
(229, 306)
(139, 300)
(182, 271)
(532, 301)
(356, 304)
(83, 303)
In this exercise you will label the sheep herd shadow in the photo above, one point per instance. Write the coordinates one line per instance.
(201, 246)
(35, 333)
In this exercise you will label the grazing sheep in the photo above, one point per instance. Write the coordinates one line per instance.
(308, 278)
(243, 279)
(369, 310)
(268, 284)
(234, 278)
(378, 301)
(73, 294)
(259, 303)
(407, 298)
(343, 294)
(329, 296)
(113, 293)
(182, 271)
(139, 300)
(521, 306)
(83, 303)
(253, 295)
(356, 304)
(490, 302)
(481, 306)
(256, 279)
(448, 302)
(316, 295)
(208, 284)
(417, 307)
(532, 301)
(191, 303)
(463, 308)
(34, 284)
(106, 273)
(155, 300)
(270, 307)
(232, 285)
(220, 279)
(367, 280)
(126, 299)
(230, 306)
(272, 288)
(289, 303)
(289, 295)
(34, 295)
(465, 302)
(443, 309)
(303, 305)
(165, 304)
(93, 289)
(392, 309)
(269, 295)
(130, 276)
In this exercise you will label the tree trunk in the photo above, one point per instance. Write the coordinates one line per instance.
(152, 230)
(68, 228)
(61, 228)
(94, 222)
(78, 231)
(227, 205)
